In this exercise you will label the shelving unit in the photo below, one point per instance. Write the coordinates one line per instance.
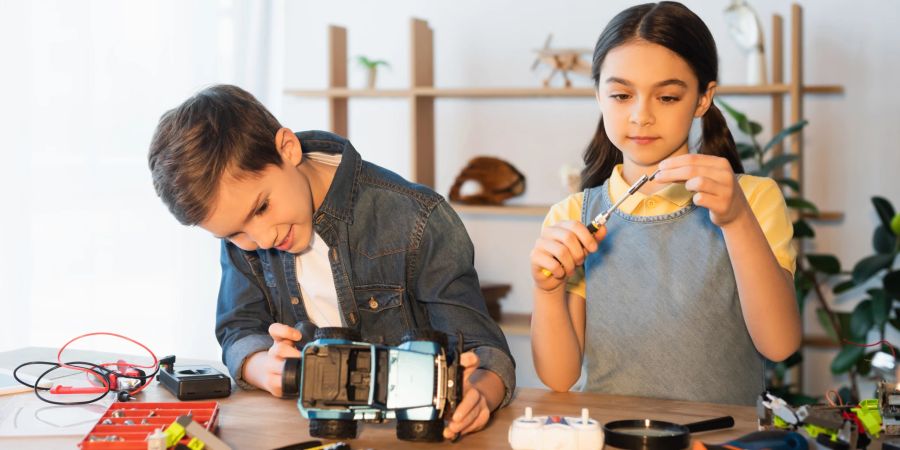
(422, 94)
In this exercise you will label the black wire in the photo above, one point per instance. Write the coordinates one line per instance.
(95, 369)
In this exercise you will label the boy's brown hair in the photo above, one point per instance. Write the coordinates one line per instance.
(221, 128)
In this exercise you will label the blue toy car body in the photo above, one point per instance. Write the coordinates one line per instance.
(344, 380)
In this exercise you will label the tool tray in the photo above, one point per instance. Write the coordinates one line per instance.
(142, 420)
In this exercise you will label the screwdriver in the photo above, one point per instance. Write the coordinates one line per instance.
(603, 217)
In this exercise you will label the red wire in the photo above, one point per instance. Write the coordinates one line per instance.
(103, 380)
(884, 342)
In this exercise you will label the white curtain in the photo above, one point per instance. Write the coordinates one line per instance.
(88, 245)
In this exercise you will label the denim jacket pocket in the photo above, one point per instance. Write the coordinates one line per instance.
(381, 312)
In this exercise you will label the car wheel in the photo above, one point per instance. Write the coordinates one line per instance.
(420, 430)
(425, 334)
(348, 334)
(332, 429)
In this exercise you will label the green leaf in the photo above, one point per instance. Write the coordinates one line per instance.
(750, 127)
(869, 266)
(861, 321)
(824, 263)
(895, 321)
(746, 151)
(883, 240)
(803, 230)
(844, 286)
(793, 360)
(881, 306)
(864, 364)
(802, 285)
(846, 359)
(738, 116)
(791, 183)
(800, 204)
(785, 133)
(825, 321)
(891, 283)
(846, 395)
(885, 210)
(775, 163)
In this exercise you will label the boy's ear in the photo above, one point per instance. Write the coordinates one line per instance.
(706, 99)
(288, 146)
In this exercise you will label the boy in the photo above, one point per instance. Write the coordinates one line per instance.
(312, 232)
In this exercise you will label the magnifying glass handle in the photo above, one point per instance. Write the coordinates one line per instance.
(712, 424)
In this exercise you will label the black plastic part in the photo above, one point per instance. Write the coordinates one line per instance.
(420, 430)
(425, 334)
(656, 434)
(195, 382)
(338, 333)
(290, 377)
(332, 429)
(307, 331)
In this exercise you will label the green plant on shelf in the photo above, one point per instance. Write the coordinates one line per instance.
(371, 66)
(879, 275)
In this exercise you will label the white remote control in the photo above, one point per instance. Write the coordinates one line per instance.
(555, 432)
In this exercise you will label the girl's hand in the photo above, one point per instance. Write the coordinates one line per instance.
(559, 250)
(713, 182)
(472, 412)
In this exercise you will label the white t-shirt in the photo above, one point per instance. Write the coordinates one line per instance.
(314, 270)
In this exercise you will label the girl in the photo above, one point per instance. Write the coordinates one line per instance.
(690, 283)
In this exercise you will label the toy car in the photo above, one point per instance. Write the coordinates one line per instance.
(343, 380)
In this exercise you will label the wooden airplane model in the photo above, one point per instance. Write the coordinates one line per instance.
(563, 60)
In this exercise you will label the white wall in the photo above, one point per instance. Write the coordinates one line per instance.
(90, 247)
(851, 141)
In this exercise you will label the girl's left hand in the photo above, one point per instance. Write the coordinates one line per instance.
(713, 182)
(472, 412)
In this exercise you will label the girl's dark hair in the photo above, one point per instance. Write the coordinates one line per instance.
(675, 27)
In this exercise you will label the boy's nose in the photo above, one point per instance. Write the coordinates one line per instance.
(262, 236)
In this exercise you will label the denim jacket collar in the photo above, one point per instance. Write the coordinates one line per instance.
(339, 200)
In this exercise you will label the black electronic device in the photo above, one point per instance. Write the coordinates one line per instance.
(194, 382)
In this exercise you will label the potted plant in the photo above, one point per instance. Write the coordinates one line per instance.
(880, 274)
(813, 268)
(371, 66)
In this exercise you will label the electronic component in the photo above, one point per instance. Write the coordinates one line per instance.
(194, 382)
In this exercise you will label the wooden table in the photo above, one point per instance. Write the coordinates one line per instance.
(256, 420)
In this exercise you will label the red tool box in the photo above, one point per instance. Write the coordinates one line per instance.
(126, 425)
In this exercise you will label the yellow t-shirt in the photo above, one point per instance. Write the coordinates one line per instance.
(763, 195)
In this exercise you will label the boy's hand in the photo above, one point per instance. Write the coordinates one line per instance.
(713, 182)
(264, 369)
(474, 411)
(559, 250)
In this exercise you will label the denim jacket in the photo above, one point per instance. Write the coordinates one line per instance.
(401, 259)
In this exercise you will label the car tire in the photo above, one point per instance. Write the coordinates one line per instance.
(332, 428)
(348, 334)
(420, 430)
(425, 334)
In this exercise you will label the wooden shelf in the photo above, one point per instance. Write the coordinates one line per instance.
(825, 216)
(347, 93)
(532, 92)
(503, 210)
(515, 324)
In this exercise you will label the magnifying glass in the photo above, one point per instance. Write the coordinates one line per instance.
(657, 435)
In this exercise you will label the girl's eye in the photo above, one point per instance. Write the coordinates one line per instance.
(620, 97)
(262, 208)
(668, 99)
